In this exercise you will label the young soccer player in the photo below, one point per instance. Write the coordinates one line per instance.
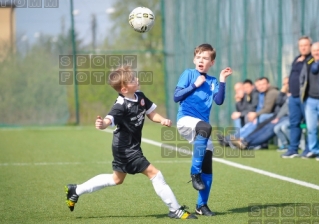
(128, 114)
(196, 91)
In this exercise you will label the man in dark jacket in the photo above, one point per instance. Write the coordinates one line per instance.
(309, 93)
(296, 107)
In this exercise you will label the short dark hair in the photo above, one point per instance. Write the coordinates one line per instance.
(305, 38)
(248, 81)
(264, 78)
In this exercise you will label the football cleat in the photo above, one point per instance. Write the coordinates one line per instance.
(181, 213)
(197, 182)
(204, 210)
(71, 196)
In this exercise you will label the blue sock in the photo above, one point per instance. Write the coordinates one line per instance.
(203, 195)
(200, 145)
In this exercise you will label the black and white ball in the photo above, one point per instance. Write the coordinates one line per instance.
(141, 19)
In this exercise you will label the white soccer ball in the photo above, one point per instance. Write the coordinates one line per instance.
(141, 19)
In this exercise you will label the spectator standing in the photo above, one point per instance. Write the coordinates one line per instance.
(309, 92)
(296, 107)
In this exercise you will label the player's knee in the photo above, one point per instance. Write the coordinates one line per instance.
(203, 129)
(118, 181)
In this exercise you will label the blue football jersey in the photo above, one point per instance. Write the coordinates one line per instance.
(199, 103)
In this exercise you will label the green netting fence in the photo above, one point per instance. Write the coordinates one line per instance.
(255, 37)
(36, 91)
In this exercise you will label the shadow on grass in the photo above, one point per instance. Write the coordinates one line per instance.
(252, 210)
(158, 216)
(256, 208)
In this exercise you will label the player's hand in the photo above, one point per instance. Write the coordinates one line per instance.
(235, 115)
(166, 122)
(99, 123)
(225, 73)
(200, 80)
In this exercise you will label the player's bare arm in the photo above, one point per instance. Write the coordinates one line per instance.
(102, 123)
(157, 118)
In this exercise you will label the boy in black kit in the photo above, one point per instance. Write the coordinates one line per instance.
(128, 114)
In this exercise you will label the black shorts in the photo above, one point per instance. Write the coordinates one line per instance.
(136, 165)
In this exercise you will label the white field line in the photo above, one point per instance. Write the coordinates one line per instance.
(237, 165)
(151, 142)
(53, 128)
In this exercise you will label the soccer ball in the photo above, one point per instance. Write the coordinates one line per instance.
(141, 19)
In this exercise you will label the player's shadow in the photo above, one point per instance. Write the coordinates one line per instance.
(158, 216)
(253, 206)
(247, 209)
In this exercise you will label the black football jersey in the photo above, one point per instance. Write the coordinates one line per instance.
(128, 115)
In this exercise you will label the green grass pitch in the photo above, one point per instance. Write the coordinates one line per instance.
(36, 163)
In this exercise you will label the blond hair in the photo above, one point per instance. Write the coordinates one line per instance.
(121, 77)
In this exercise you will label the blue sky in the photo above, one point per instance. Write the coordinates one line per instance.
(30, 22)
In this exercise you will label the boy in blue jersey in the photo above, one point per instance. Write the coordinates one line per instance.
(196, 92)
